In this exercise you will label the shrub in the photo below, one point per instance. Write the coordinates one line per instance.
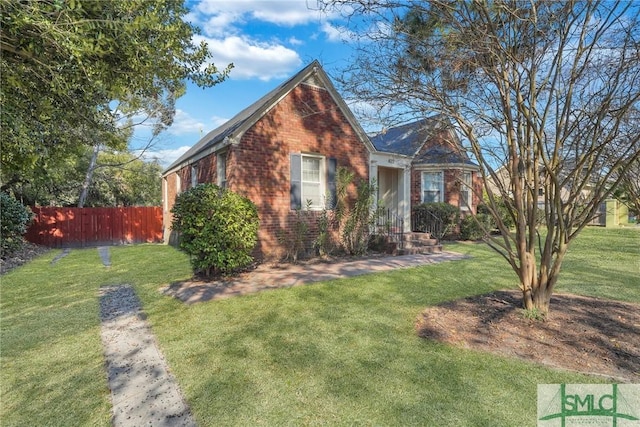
(355, 220)
(476, 228)
(14, 220)
(437, 218)
(502, 211)
(218, 228)
(295, 239)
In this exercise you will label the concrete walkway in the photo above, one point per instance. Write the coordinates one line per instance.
(287, 275)
(143, 392)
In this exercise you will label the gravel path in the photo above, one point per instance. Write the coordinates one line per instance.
(143, 392)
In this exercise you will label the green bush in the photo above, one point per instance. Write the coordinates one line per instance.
(14, 220)
(476, 228)
(502, 211)
(218, 228)
(439, 219)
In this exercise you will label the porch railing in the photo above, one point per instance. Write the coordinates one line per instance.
(387, 223)
(425, 222)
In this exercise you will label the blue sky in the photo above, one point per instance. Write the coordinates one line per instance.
(267, 41)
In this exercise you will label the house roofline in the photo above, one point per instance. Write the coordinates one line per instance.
(234, 135)
(440, 166)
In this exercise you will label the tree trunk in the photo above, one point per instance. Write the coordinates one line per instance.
(536, 294)
(84, 192)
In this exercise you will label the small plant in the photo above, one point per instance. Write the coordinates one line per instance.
(355, 221)
(218, 228)
(534, 314)
(323, 240)
(294, 240)
(14, 220)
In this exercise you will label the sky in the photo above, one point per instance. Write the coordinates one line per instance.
(268, 41)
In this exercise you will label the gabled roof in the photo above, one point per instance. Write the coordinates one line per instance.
(409, 140)
(232, 130)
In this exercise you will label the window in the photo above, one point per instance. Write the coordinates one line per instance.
(312, 181)
(221, 167)
(432, 187)
(194, 175)
(466, 191)
(178, 183)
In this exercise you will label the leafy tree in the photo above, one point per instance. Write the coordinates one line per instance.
(546, 89)
(218, 228)
(77, 72)
(119, 179)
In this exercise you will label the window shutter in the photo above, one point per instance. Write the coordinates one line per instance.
(331, 183)
(295, 190)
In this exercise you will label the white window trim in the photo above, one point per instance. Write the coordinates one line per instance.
(194, 175)
(323, 180)
(221, 173)
(468, 206)
(178, 183)
(165, 194)
(441, 189)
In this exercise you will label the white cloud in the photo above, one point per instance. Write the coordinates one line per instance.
(184, 124)
(252, 58)
(164, 157)
(336, 33)
(280, 12)
(295, 41)
(218, 121)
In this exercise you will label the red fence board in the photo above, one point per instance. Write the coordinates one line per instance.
(73, 227)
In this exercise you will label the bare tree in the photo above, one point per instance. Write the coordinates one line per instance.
(543, 91)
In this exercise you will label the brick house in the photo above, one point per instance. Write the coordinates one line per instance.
(284, 150)
(440, 169)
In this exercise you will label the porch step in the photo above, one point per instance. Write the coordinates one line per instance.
(432, 249)
(419, 239)
(418, 243)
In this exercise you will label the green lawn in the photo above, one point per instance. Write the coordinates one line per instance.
(335, 353)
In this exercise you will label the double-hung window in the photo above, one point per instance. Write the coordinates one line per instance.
(466, 192)
(432, 187)
(194, 176)
(221, 169)
(312, 181)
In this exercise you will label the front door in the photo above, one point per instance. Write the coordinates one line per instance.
(388, 193)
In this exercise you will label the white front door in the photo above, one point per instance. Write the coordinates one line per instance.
(388, 191)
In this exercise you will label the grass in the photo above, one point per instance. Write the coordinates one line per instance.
(339, 353)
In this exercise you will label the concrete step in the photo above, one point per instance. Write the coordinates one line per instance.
(419, 237)
(431, 249)
(419, 243)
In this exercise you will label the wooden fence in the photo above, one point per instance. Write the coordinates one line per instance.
(77, 227)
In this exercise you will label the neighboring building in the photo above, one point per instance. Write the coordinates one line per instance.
(610, 213)
(284, 150)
